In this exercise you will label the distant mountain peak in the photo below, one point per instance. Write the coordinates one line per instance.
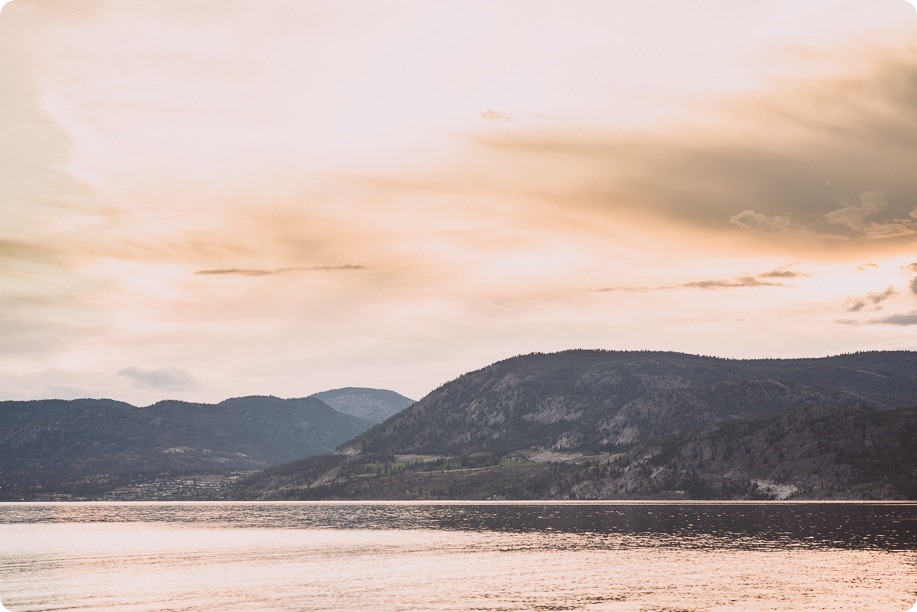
(374, 405)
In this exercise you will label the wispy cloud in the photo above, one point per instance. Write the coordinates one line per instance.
(494, 115)
(634, 289)
(273, 271)
(856, 304)
(866, 266)
(742, 281)
(895, 319)
(170, 378)
(784, 272)
(723, 283)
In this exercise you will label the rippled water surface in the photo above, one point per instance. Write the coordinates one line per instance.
(458, 556)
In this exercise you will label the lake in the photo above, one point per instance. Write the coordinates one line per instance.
(458, 556)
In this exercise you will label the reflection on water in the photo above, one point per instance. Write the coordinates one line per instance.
(881, 526)
(310, 556)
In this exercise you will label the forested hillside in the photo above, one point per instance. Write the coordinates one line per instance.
(599, 424)
(94, 445)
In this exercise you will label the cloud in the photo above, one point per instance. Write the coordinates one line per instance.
(271, 272)
(891, 229)
(853, 216)
(760, 222)
(728, 283)
(863, 267)
(912, 267)
(783, 272)
(156, 139)
(857, 304)
(806, 178)
(171, 378)
(898, 319)
(743, 281)
(848, 322)
(493, 115)
(634, 289)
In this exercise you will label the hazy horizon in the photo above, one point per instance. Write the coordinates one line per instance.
(212, 199)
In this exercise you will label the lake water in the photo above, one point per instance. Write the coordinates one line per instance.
(458, 556)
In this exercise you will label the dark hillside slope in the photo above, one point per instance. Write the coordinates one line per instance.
(808, 453)
(44, 442)
(603, 401)
(802, 454)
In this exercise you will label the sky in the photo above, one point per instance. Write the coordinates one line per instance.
(203, 199)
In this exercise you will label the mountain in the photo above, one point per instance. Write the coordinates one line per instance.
(374, 405)
(603, 424)
(98, 444)
(605, 400)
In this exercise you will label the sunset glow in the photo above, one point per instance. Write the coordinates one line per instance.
(215, 198)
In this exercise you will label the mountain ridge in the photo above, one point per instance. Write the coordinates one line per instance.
(628, 396)
(625, 424)
(88, 444)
